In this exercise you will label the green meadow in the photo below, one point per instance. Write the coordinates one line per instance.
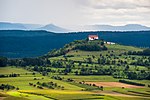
(66, 77)
(72, 90)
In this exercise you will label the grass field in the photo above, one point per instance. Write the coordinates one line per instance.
(92, 78)
(114, 84)
(72, 90)
(12, 69)
(81, 88)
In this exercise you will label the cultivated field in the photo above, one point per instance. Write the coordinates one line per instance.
(79, 75)
(114, 84)
(112, 88)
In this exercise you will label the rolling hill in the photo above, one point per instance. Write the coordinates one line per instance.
(11, 26)
(18, 44)
(53, 28)
(58, 29)
(112, 74)
(21, 26)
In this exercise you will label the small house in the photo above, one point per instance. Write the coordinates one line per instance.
(109, 43)
(93, 37)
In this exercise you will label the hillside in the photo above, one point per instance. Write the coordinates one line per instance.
(80, 70)
(89, 46)
(20, 44)
(85, 45)
(53, 28)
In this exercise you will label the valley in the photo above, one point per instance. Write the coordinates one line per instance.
(74, 49)
(108, 72)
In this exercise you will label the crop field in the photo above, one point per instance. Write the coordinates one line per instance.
(79, 75)
(92, 78)
(114, 84)
(12, 69)
(72, 91)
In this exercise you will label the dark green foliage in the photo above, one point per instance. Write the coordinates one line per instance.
(132, 83)
(44, 61)
(2, 76)
(87, 87)
(140, 75)
(145, 52)
(118, 65)
(3, 61)
(29, 62)
(32, 61)
(89, 60)
(90, 47)
(57, 77)
(91, 71)
(70, 80)
(57, 64)
(14, 75)
(47, 40)
(85, 45)
(50, 85)
(44, 73)
(9, 75)
(7, 87)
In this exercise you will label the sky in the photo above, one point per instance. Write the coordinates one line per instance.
(67, 13)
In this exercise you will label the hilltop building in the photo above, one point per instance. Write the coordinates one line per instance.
(93, 37)
(109, 43)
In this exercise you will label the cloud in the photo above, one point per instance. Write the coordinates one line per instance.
(76, 12)
(116, 11)
(116, 4)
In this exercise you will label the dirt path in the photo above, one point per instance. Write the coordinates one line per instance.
(115, 94)
(119, 94)
(113, 84)
(1, 98)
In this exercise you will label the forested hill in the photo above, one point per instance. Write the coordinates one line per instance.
(83, 57)
(20, 44)
(85, 45)
(23, 33)
(26, 33)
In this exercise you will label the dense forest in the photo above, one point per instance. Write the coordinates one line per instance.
(24, 44)
(121, 65)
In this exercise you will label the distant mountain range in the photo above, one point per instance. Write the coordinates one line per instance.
(11, 26)
(20, 26)
(128, 27)
(53, 28)
(57, 29)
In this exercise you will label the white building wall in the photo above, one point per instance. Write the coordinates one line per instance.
(96, 38)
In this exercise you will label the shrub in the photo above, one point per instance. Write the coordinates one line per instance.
(132, 83)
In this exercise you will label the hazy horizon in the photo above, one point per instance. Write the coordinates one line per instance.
(70, 13)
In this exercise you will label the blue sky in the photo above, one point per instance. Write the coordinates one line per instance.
(67, 13)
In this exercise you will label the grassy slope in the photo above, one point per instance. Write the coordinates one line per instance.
(12, 69)
(117, 49)
(72, 91)
(23, 81)
(82, 55)
(92, 78)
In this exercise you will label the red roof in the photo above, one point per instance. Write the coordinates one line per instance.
(93, 36)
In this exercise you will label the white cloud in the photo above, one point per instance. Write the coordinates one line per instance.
(116, 4)
(76, 12)
(117, 11)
